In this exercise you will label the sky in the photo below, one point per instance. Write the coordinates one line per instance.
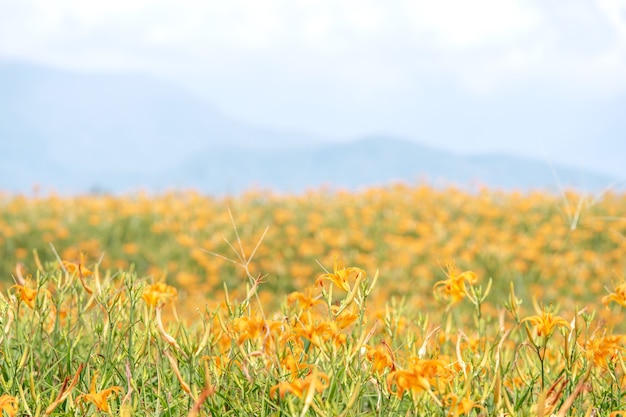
(344, 69)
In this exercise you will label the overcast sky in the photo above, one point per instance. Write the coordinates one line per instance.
(343, 68)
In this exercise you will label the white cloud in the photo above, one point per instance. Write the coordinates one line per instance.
(462, 24)
(615, 13)
(367, 46)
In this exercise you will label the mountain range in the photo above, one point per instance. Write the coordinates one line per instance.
(79, 132)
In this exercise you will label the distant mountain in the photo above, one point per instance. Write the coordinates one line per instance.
(97, 121)
(76, 132)
(370, 161)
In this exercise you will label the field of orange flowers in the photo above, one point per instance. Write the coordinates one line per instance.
(396, 300)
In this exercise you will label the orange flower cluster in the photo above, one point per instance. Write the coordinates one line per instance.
(159, 294)
(604, 350)
(403, 231)
(297, 353)
(394, 344)
(301, 387)
(421, 375)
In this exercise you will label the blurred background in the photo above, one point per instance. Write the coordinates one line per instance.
(287, 95)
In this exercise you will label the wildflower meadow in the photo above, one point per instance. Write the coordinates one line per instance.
(396, 300)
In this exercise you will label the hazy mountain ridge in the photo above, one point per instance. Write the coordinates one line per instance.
(74, 131)
(371, 161)
(138, 121)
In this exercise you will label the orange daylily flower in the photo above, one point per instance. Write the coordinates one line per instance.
(545, 322)
(453, 288)
(27, 295)
(619, 296)
(406, 381)
(305, 300)
(603, 349)
(251, 328)
(381, 358)
(345, 318)
(317, 381)
(317, 333)
(100, 398)
(293, 365)
(460, 406)
(160, 293)
(342, 277)
(73, 267)
(9, 405)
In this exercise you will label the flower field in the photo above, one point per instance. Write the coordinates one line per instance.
(402, 300)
